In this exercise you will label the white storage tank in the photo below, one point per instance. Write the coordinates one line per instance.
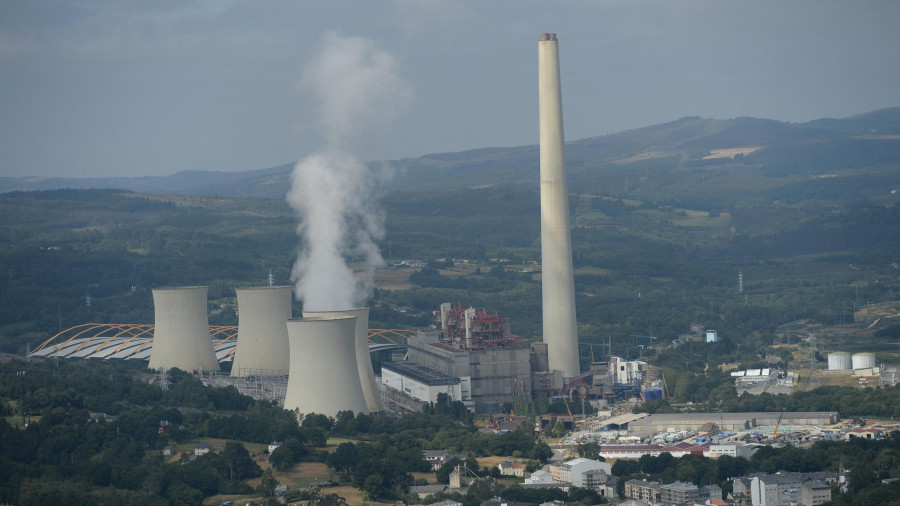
(863, 360)
(839, 361)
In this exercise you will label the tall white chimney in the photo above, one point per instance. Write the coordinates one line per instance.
(558, 284)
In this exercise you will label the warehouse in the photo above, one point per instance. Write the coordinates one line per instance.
(674, 422)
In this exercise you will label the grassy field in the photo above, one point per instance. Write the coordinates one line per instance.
(393, 279)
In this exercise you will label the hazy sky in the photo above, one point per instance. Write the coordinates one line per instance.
(121, 87)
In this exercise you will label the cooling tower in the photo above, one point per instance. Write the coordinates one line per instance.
(324, 377)
(181, 334)
(363, 359)
(262, 345)
(557, 281)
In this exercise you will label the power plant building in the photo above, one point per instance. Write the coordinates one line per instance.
(361, 347)
(324, 377)
(476, 347)
(181, 335)
(419, 382)
(262, 347)
(557, 273)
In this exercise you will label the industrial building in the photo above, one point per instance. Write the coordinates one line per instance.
(573, 471)
(324, 377)
(262, 333)
(492, 365)
(419, 382)
(361, 347)
(672, 422)
(181, 333)
(557, 273)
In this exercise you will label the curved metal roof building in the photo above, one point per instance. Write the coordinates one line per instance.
(363, 358)
(181, 335)
(324, 377)
(262, 331)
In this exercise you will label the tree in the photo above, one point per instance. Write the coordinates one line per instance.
(327, 500)
(374, 485)
(237, 460)
(267, 483)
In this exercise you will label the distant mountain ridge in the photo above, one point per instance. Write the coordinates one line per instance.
(771, 147)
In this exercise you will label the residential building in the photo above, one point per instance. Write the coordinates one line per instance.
(710, 492)
(643, 490)
(436, 458)
(813, 493)
(202, 449)
(781, 489)
(512, 468)
(678, 493)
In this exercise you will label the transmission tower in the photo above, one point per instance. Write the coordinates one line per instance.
(813, 380)
(740, 281)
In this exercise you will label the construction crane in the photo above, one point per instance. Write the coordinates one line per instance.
(572, 417)
(666, 385)
(775, 432)
(649, 338)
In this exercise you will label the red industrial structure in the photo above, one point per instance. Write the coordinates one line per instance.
(474, 329)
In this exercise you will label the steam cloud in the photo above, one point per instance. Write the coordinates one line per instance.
(357, 91)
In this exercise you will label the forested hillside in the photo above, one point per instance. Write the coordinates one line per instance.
(664, 220)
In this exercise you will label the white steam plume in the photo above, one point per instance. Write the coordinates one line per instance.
(357, 91)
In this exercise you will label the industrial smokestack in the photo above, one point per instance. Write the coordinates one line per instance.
(361, 343)
(181, 332)
(262, 345)
(324, 377)
(557, 277)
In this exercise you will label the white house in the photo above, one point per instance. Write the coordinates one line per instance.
(202, 449)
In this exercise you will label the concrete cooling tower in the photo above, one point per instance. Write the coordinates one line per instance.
(181, 334)
(262, 345)
(363, 359)
(324, 377)
(557, 277)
